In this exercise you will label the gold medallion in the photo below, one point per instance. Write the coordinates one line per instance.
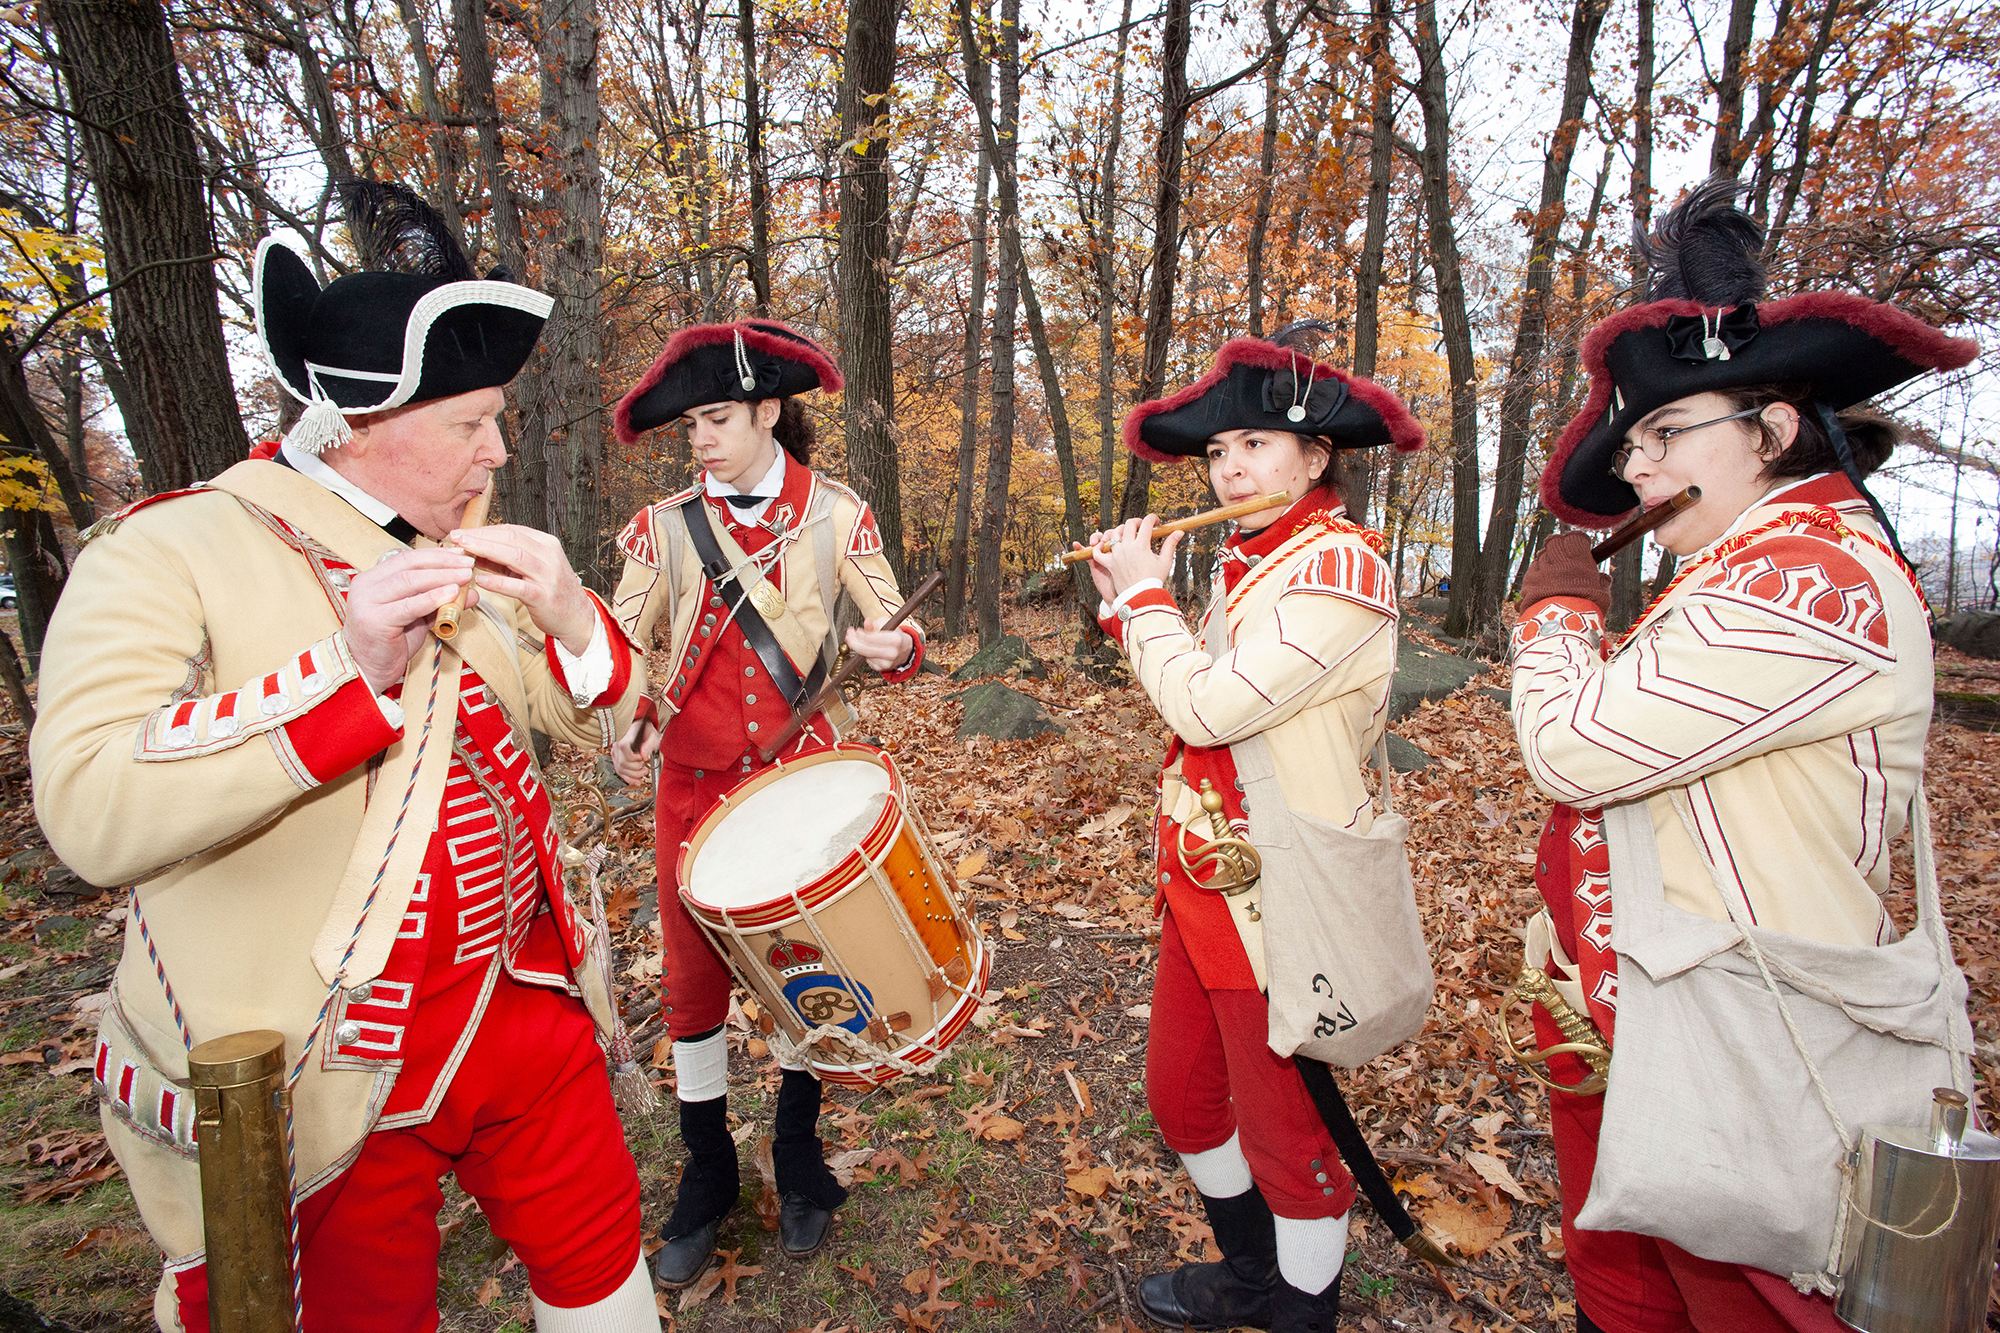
(770, 603)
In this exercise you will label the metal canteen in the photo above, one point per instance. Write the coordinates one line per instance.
(1918, 1250)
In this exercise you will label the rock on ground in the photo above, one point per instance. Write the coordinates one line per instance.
(994, 710)
(1422, 674)
(1007, 653)
(1974, 633)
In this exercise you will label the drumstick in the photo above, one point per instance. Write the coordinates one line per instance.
(446, 625)
(1643, 524)
(1202, 520)
(831, 690)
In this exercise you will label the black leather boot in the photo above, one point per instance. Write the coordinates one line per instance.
(1295, 1311)
(709, 1186)
(1231, 1294)
(807, 1190)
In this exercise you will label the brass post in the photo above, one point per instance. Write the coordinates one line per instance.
(239, 1097)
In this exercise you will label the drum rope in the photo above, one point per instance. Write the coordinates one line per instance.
(955, 895)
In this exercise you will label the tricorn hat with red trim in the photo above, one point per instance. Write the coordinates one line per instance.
(1261, 384)
(741, 362)
(1706, 327)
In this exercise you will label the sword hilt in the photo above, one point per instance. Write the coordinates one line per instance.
(1581, 1039)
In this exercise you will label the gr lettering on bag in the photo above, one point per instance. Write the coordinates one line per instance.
(1329, 1024)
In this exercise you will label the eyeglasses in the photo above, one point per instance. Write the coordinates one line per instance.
(1653, 440)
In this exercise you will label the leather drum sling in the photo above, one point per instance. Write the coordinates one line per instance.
(755, 629)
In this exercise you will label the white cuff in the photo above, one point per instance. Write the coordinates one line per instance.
(392, 712)
(588, 672)
(1143, 585)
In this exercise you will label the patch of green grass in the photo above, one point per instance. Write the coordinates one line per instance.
(69, 938)
(1369, 1285)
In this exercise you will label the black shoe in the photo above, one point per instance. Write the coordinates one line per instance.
(802, 1225)
(1205, 1296)
(1231, 1294)
(681, 1260)
(1294, 1311)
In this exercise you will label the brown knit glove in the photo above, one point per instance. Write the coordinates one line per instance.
(1564, 568)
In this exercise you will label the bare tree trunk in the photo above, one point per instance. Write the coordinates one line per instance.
(869, 403)
(1267, 167)
(1524, 368)
(34, 558)
(1538, 534)
(1642, 138)
(1360, 486)
(1802, 116)
(1725, 156)
(1435, 157)
(1169, 155)
(572, 267)
(25, 430)
(975, 322)
(753, 153)
(1107, 292)
(447, 150)
(1000, 447)
(522, 487)
(118, 64)
(1625, 587)
(1084, 589)
(16, 682)
(1625, 566)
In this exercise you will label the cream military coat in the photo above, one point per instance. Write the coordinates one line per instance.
(266, 893)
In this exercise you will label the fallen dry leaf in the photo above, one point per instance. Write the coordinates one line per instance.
(968, 866)
(1092, 1182)
(1466, 1227)
(1105, 822)
(1494, 1172)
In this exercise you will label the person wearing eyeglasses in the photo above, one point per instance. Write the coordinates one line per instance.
(1769, 709)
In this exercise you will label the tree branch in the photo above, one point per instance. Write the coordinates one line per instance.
(84, 300)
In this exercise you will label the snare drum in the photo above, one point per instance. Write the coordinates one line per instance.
(816, 881)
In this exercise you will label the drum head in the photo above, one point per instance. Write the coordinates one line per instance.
(785, 835)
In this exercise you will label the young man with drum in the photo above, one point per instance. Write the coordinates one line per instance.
(1301, 654)
(743, 570)
(1755, 740)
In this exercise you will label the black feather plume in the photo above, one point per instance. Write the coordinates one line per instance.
(1295, 333)
(395, 231)
(1706, 249)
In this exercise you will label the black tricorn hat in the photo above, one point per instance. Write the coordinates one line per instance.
(419, 325)
(741, 362)
(1260, 384)
(1706, 327)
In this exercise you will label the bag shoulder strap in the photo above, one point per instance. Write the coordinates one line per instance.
(673, 541)
(756, 630)
(819, 514)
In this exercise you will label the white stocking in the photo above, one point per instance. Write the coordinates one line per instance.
(1311, 1251)
(630, 1309)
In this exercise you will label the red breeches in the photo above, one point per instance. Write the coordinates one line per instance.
(694, 981)
(1210, 1074)
(529, 1130)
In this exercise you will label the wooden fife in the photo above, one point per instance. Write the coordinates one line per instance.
(1201, 520)
(1643, 524)
(446, 623)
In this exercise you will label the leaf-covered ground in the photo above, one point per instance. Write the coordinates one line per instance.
(1021, 1185)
